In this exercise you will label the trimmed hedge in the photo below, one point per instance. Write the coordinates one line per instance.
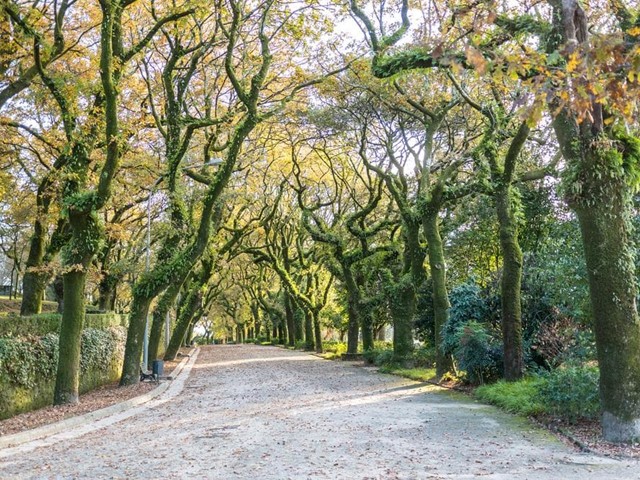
(45, 323)
(28, 367)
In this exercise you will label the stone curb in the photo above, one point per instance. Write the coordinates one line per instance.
(46, 431)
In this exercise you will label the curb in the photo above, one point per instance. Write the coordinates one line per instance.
(43, 433)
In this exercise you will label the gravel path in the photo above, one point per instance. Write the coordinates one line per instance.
(249, 412)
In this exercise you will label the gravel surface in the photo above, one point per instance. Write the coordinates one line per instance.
(250, 412)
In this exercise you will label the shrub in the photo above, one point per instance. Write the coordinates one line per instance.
(572, 392)
(477, 353)
(379, 357)
(467, 304)
(424, 357)
(28, 367)
(337, 348)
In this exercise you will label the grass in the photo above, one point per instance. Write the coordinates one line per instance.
(519, 397)
(417, 374)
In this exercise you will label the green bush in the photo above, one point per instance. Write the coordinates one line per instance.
(477, 353)
(379, 357)
(572, 392)
(337, 348)
(521, 397)
(467, 304)
(28, 367)
(424, 357)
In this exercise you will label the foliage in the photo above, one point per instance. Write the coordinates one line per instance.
(467, 304)
(417, 374)
(572, 392)
(26, 361)
(521, 397)
(379, 356)
(477, 353)
(337, 348)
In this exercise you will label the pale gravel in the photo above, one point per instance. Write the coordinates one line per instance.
(250, 412)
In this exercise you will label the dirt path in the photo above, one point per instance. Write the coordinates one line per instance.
(250, 412)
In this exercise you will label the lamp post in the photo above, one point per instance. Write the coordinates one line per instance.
(145, 342)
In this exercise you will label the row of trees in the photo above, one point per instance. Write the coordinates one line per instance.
(281, 177)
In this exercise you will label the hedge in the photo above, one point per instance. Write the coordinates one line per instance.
(28, 367)
(45, 323)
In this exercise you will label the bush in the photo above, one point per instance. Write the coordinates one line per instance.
(477, 353)
(521, 397)
(467, 304)
(379, 357)
(28, 367)
(572, 392)
(337, 348)
(424, 357)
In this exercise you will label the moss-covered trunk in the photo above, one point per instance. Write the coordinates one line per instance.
(367, 330)
(309, 343)
(107, 290)
(140, 305)
(289, 315)
(603, 206)
(316, 331)
(440, 295)
(510, 284)
(68, 372)
(33, 287)
(185, 317)
(403, 301)
(159, 317)
(403, 310)
(353, 310)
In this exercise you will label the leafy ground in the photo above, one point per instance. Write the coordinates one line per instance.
(13, 306)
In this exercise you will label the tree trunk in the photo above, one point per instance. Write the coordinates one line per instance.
(107, 292)
(33, 287)
(316, 331)
(58, 291)
(367, 331)
(185, 319)
(403, 310)
(135, 337)
(440, 296)
(309, 344)
(510, 285)
(289, 315)
(353, 312)
(159, 317)
(603, 206)
(68, 372)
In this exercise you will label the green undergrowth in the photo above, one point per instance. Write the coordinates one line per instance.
(569, 393)
(417, 374)
(521, 397)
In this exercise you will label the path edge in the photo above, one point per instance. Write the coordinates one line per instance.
(38, 433)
